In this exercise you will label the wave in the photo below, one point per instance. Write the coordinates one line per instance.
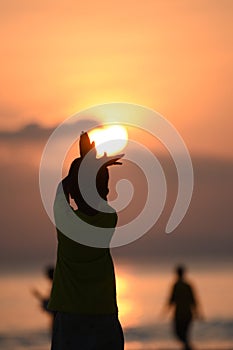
(214, 334)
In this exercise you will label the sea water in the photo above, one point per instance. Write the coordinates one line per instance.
(142, 293)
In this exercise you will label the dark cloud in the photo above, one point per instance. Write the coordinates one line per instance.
(31, 131)
(207, 228)
(35, 131)
(27, 233)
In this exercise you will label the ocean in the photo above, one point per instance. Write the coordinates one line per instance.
(142, 292)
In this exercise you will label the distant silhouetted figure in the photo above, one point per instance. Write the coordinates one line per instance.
(49, 271)
(184, 301)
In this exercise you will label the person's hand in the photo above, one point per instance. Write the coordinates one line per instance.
(111, 160)
(85, 145)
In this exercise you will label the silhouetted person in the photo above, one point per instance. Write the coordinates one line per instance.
(49, 271)
(184, 301)
(84, 288)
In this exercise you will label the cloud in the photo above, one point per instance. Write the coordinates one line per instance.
(35, 131)
(30, 132)
(206, 230)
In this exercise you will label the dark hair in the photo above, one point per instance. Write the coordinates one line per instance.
(70, 183)
(75, 193)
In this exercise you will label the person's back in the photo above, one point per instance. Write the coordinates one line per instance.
(84, 279)
(183, 300)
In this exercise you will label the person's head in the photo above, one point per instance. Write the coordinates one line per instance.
(180, 271)
(101, 186)
(102, 177)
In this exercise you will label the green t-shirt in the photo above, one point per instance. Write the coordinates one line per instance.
(84, 278)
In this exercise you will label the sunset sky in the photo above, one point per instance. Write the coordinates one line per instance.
(60, 57)
(175, 56)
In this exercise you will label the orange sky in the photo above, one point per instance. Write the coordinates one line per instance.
(174, 56)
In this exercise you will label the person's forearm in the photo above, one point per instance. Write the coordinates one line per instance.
(61, 207)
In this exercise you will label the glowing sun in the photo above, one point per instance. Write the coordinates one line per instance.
(110, 139)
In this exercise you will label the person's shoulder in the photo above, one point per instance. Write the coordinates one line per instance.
(181, 284)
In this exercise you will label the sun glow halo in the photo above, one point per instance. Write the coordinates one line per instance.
(110, 139)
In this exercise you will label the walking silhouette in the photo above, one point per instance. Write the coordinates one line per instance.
(184, 302)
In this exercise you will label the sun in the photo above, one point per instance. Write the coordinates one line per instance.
(110, 139)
